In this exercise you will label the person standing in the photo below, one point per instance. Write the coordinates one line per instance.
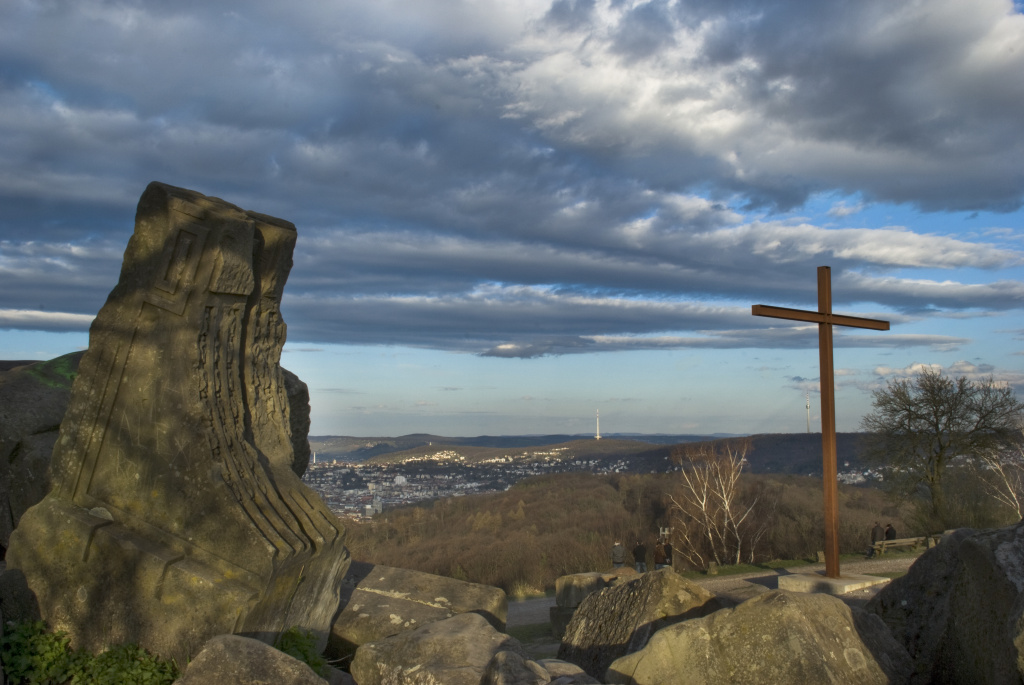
(668, 553)
(618, 555)
(640, 557)
(890, 532)
(659, 554)
(877, 535)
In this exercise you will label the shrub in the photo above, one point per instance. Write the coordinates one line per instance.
(32, 655)
(301, 644)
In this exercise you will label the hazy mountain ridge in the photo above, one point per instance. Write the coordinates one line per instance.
(356, 449)
(794, 453)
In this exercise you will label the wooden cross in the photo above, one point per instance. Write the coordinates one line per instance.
(825, 320)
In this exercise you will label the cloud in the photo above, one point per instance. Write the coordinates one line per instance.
(841, 209)
(43, 321)
(531, 178)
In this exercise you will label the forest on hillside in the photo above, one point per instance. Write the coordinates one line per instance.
(524, 538)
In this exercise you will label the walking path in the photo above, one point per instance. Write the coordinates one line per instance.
(737, 587)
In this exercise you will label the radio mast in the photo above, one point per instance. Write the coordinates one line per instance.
(807, 398)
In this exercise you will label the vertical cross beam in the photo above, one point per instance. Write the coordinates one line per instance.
(825, 320)
(829, 467)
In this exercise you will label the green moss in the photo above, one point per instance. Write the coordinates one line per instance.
(57, 373)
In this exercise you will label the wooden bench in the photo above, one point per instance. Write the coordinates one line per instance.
(881, 546)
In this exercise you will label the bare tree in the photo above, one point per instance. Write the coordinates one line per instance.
(715, 518)
(1002, 473)
(918, 426)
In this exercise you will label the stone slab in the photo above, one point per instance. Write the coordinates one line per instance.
(817, 582)
(380, 601)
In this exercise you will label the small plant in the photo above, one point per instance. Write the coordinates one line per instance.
(32, 655)
(301, 644)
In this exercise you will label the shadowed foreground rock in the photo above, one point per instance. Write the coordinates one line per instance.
(381, 601)
(776, 637)
(455, 651)
(177, 515)
(237, 660)
(571, 590)
(619, 620)
(33, 400)
(959, 611)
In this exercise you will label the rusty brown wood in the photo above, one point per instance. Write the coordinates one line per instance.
(825, 320)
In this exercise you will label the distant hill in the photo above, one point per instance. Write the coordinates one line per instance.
(355, 449)
(783, 453)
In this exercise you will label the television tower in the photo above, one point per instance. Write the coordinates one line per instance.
(598, 436)
(807, 398)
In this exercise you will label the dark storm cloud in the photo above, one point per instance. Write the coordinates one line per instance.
(520, 180)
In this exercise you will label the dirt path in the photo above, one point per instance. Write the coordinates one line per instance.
(736, 587)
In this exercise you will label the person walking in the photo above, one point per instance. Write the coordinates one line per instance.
(618, 555)
(640, 557)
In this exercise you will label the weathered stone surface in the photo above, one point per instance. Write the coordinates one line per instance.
(510, 668)
(619, 620)
(33, 399)
(777, 637)
(177, 515)
(571, 590)
(454, 651)
(237, 660)
(959, 609)
(298, 420)
(557, 668)
(380, 601)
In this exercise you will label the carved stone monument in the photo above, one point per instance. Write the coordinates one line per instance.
(175, 514)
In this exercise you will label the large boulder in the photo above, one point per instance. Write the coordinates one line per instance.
(175, 514)
(455, 651)
(380, 601)
(572, 589)
(619, 620)
(237, 660)
(33, 399)
(959, 611)
(776, 637)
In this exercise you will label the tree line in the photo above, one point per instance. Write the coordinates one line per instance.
(523, 539)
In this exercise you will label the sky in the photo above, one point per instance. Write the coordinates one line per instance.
(514, 214)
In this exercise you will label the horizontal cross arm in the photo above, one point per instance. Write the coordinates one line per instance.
(818, 317)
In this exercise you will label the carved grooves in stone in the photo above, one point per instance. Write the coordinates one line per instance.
(258, 499)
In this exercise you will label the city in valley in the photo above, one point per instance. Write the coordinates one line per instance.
(394, 476)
